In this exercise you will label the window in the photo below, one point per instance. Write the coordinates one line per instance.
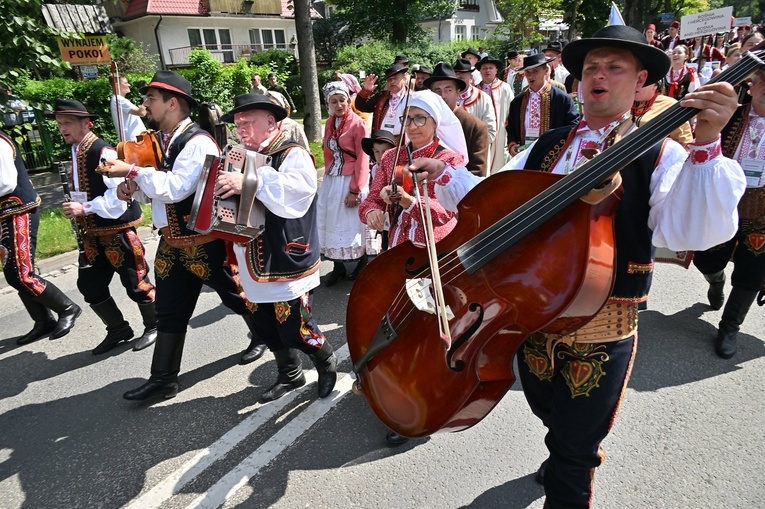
(460, 33)
(195, 39)
(211, 37)
(262, 39)
(474, 32)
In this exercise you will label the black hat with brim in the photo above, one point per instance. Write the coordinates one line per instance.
(535, 60)
(379, 136)
(70, 107)
(471, 51)
(246, 102)
(463, 65)
(445, 72)
(654, 60)
(488, 59)
(172, 82)
(395, 69)
(511, 54)
(421, 69)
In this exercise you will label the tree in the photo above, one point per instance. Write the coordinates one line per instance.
(309, 77)
(521, 23)
(396, 21)
(27, 42)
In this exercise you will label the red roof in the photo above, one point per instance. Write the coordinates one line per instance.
(178, 7)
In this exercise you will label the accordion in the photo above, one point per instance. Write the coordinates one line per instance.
(239, 218)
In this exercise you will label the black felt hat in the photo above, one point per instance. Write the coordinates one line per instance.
(471, 51)
(172, 82)
(247, 102)
(654, 60)
(424, 69)
(401, 59)
(535, 60)
(379, 136)
(554, 46)
(70, 107)
(511, 54)
(395, 69)
(463, 65)
(488, 59)
(444, 72)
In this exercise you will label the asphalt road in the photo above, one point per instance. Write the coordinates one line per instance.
(691, 432)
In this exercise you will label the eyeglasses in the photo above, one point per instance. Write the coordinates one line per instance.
(419, 120)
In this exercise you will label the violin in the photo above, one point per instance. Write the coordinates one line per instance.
(528, 254)
(145, 151)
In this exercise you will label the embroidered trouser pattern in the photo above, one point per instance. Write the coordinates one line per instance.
(18, 239)
(181, 272)
(748, 251)
(289, 324)
(577, 398)
(121, 253)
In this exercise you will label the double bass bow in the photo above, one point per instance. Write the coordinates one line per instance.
(527, 255)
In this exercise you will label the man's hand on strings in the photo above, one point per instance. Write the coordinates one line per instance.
(113, 168)
(717, 102)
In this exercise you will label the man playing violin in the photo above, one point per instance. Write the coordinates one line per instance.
(185, 259)
(108, 231)
(575, 383)
(280, 268)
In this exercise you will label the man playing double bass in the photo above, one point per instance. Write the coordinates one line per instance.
(575, 383)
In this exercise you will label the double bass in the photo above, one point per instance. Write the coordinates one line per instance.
(527, 255)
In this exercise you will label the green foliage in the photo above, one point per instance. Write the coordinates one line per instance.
(318, 152)
(520, 30)
(329, 35)
(131, 56)
(208, 81)
(283, 64)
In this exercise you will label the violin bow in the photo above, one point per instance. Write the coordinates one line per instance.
(430, 244)
(391, 209)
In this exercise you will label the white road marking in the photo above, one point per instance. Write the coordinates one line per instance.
(224, 489)
(172, 484)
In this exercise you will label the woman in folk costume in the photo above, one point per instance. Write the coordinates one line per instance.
(433, 131)
(681, 78)
(346, 182)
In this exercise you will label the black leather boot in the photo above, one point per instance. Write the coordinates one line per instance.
(257, 347)
(540, 477)
(149, 335)
(716, 292)
(290, 375)
(393, 439)
(117, 328)
(359, 267)
(67, 311)
(44, 321)
(738, 305)
(338, 272)
(165, 366)
(326, 364)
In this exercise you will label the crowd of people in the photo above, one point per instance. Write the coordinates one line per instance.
(457, 123)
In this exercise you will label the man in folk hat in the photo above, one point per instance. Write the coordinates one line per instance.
(650, 36)
(669, 42)
(476, 102)
(512, 76)
(185, 259)
(445, 83)
(280, 270)
(743, 139)
(501, 95)
(387, 105)
(421, 73)
(401, 59)
(553, 52)
(670, 198)
(108, 230)
(539, 108)
(19, 219)
(473, 56)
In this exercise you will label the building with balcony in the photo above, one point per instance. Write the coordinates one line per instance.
(472, 20)
(230, 29)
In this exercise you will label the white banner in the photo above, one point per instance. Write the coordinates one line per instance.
(706, 23)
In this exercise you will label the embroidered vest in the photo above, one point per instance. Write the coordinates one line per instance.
(23, 198)
(634, 251)
(752, 204)
(288, 248)
(178, 213)
(92, 183)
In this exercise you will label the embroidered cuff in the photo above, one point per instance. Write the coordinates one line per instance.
(701, 154)
(445, 176)
(87, 208)
(132, 173)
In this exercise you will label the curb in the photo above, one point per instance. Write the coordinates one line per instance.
(66, 262)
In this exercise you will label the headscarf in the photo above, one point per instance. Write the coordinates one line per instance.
(350, 81)
(448, 127)
(334, 88)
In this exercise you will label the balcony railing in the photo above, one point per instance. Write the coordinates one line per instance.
(226, 53)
